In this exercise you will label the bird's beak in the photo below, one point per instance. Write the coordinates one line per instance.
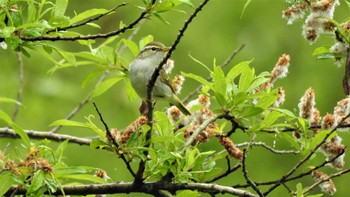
(165, 49)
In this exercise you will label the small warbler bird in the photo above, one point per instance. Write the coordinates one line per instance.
(141, 70)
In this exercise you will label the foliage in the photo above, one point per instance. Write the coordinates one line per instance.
(169, 147)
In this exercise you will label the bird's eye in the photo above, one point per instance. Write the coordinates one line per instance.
(154, 48)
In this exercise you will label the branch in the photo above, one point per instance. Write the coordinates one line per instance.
(262, 144)
(20, 88)
(306, 190)
(114, 144)
(306, 158)
(244, 169)
(147, 187)
(91, 37)
(347, 74)
(228, 171)
(295, 177)
(7, 132)
(200, 128)
(87, 21)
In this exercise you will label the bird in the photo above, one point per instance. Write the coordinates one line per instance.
(141, 70)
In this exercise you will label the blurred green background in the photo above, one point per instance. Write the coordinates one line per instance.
(214, 34)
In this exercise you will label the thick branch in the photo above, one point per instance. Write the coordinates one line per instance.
(152, 187)
(7, 132)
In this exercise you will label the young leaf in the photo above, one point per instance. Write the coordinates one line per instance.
(219, 81)
(60, 8)
(186, 193)
(236, 71)
(219, 86)
(8, 100)
(245, 79)
(6, 181)
(86, 14)
(71, 123)
(104, 86)
(197, 78)
(16, 128)
(132, 46)
(37, 181)
(130, 91)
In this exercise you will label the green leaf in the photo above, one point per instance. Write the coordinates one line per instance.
(186, 193)
(9, 100)
(6, 181)
(60, 149)
(319, 137)
(60, 8)
(91, 76)
(291, 140)
(219, 81)
(23, 135)
(69, 57)
(86, 14)
(97, 143)
(163, 6)
(236, 71)
(251, 111)
(246, 79)
(132, 46)
(5, 117)
(130, 91)
(85, 177)
(197, 78)
(7, 31)
(245, 7)
(266, 101)
(145, 40)
(199, 62)
(299, 190)
(187, 2)
(90, 56)
(37, 181)
(12, 42)
(71, 123)
(321, 50)
(105, 85)
(219, 86)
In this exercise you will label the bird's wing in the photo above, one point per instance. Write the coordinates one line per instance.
(165, 79)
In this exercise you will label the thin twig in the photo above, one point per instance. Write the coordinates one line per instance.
(87, 21)
(262, 144)
(306, 158)
(200, 128)
(225, 63)
(308, 189)
(226, 173)
(295, 177)
(113, 143)
(20, 85)
(245, 172)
